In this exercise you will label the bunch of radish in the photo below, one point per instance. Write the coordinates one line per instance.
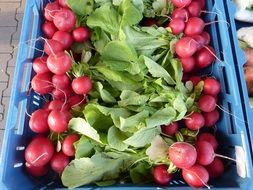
(51, 77)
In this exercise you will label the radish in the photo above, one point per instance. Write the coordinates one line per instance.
(59, 63)
(207, 103)
(81, 34)
(40, 65)
(205, 153)
(205, 57)
(216, 168)
(45, 105)
(62, 94)
(68, 144)
(180, 3)
(161, 175)
(58, 105)
(195, 80)
(196, 176)
(177, 26)
(76, 100)
(39, 151)
(36, 171)
(63, 3)
(186, 47)
(180, 13)
(209, 138)
(194, 9)
(211, 118)
(48, 28)
(59, 162)
(37, 121)
(200, 41)
(195, 121)
(82, 85)
(202, 3)
(50, 10)
(149, 22)
(211, 87)
(41, 83)
(194, 26)
(58, 120)
(52, 47)
(170, 129)
(206, 36)
(187, 64)
(64, 38)
(64, 20)
(61, 81)
(182, 154)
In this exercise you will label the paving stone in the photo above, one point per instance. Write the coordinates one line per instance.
(5, 39)
(5, 103)
(7, 13)
(4, 58)
(16, 35)
(22, 7)
(1, 139)
(12, 62)
(7, 91)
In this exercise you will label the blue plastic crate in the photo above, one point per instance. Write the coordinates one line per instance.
(232, 132)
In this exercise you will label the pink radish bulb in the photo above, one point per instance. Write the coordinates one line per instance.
(205, 57)
(194, 9)
(41, 83)
(61, 81)
(161, 175)
(186, 47)
(58, 121)
(200, 41)
(202, 3)
(62, 94)
(81, 34)
(48, 29)
(40, 65)
(68, 144)
(211, 86)
(63, 3)
(64, 38)
(182, 154)
(207, 103)
(52, 47)
(209, 138)
(36, 171)
(50, 10)
(181, 3)
(195, 80)
(196, 176)
(76, 100)
(37, 121)
(177, 26)
(170, 129)
(194, 26)
(216, 168)
(58, 105)
(39, 151)
(195, 121)
(211, 118)
(180, 13)
(65, 20)
(59, 63)
(82, 85)
(206, 36)
(188, 64)
(205, 153)
(59, 162)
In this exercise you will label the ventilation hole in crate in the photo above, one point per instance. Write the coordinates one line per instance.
(218, 40)
(225, 80)
(232, 118)
(182, 182)
(175, 182)
(36, 97)
(20, 148)
(18, 165)
(36, 103)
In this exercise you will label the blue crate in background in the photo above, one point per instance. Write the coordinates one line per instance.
(231, 130)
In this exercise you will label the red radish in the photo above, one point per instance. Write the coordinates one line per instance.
(82, 85)
(64, 38)
(206, 36)
(149, 22)
(196, 176)
(59, 63)
(81, 34)
(180, 13)
(216, 168)
(76, 100)
(48, 28)
(187, 64)
(195, 121)
(39, 151)
(59, 162)
(195, 80)
(36, 171)
(211, 86)
(58, 105)
(41, 83)
(200, 41)
(205, 57)
(177, 26)
(209, 138)
(45, 105)
(207, 103)
(63, 3)
(211, 118)
(194, 9)
(65, 20)
(202, 3)
(205, 153)
(61, 81)
(170, 129)
(180, 3)
(50, 10)
(68, 144)
(194, 26)
(58, 121)
(186, 47)
(62, 94)
(37, 121)
(161, 175)
(52, 47)
(40, 65)
(182, 154)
